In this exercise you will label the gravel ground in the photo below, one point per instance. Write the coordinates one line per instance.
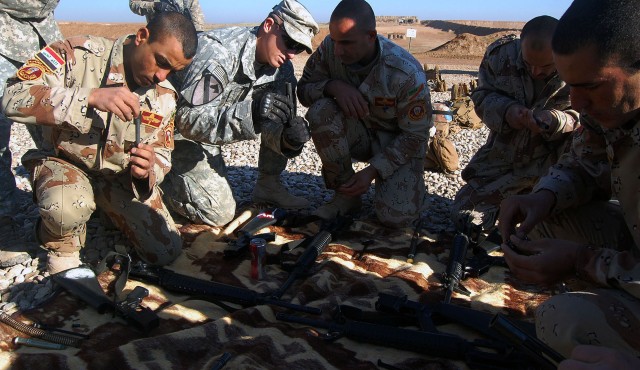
(26, 284)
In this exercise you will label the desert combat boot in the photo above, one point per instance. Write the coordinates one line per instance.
(61, 261)
(340, 204)
(268, 189)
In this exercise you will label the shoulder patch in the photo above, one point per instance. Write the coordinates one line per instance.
(207, 89)
(29, 72)
(414, 92)
(150, 119)
(50, 59)
(417, 110)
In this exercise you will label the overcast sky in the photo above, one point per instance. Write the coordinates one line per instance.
(254, 11)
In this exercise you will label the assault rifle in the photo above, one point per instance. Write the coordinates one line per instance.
(83, 283)
(477, 354)
(313, 248)
(209, 290)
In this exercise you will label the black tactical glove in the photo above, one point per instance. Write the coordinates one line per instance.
(296, 133)
(160, 6)
(274, 107)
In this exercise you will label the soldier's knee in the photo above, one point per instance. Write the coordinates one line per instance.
(163, 254)
(396, 220)
(320, 112)
(64, 220)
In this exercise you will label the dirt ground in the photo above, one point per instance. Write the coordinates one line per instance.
(444, 43)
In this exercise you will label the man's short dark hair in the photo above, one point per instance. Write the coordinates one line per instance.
(539, 31)
(358, 10)
(176, 25)
(610, 25)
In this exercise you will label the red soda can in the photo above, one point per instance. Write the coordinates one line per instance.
(258, 247)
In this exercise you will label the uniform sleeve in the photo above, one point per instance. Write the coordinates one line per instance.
(142, 7)
(583, 174)
(564, 122)
(38, 96)
(196, 15)
(490, 103)
(314, 76)
(414, 122)
(609, 267)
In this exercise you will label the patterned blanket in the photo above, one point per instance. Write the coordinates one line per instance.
(194, 333)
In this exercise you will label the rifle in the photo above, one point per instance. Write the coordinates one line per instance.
(83, 283)
(276, 217)
(180, 283)
(455, 271)
(477, 353)
(313, 248)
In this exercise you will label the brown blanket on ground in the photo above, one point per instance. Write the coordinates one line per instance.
(193, 334)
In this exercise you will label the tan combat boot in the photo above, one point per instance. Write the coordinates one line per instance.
(340, 203)
(269, 190)
(61, 261)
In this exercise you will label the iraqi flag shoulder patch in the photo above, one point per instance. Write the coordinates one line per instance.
(51, 60)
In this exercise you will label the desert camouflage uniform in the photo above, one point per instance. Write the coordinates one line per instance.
(602, 165)
(25, 27)
(84, 161)
(197, 187)
(511, 161)
(192, 7)
(392, 138)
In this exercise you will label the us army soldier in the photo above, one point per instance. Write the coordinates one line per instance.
(234, 90)
(189, 8)
(526, 106)
(368, 99)
(85, 96)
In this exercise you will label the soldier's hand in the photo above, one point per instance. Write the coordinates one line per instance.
(543, 262)
(296, 133)
(142, 160)
(517, 116)
(544, 120)
(587, 357)
(527, 210)
(64, 48)
(348, 98)
(359, 183)
(274, 107)
(117, 100)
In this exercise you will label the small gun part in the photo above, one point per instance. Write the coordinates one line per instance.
(365, 246)
(219, 364)
(32, 342)
(138, 122)
(414, 241)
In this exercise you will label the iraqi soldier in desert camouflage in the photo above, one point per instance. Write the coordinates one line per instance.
(85, 96)
(368, 99)
(190, 8)
(25, 27)
(234, 90)
(526, 106)
(573, 227)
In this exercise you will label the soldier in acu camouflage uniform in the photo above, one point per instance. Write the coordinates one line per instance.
(85, 92)
(573, 227)
(190, 8)
(25, 27)
(526, 106)
(234, 90)
(368, 100)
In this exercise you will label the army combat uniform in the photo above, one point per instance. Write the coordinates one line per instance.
(25, 27)
(218, 89)
(602, 165)
(192, 7)
(84, 162)
(511, 161)
(392, 138)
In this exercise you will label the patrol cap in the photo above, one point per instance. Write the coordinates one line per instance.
(296, 21)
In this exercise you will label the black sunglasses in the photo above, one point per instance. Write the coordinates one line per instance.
(290, 43)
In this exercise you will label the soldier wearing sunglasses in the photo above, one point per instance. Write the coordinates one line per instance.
(235, 89)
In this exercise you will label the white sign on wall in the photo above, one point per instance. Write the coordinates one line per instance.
(411, 32)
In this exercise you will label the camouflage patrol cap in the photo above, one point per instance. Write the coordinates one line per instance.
(297, 22)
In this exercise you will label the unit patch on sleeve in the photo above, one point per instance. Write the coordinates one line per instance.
(50, 59)
(413, 93)
(417, 110)
(151, 119)
(381, 101)
(29, 73)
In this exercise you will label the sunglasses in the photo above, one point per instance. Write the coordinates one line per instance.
(290, 43)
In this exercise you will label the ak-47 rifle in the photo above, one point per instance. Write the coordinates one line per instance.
(477, 353)
(210, 290)
(313, 248)
(83, 283)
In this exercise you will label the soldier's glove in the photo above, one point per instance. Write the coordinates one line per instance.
(296, 133)
(274, 107)
(159, 6)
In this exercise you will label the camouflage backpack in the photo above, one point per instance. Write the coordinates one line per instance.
(441, 152)
(465, 114)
